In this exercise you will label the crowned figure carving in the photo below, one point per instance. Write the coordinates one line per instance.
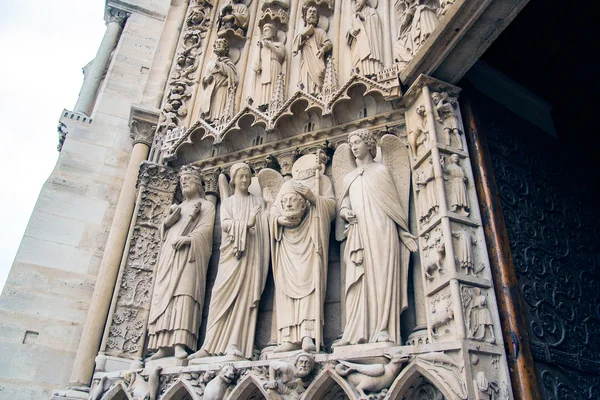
(373, 219)
(187, 235)
(242, 271)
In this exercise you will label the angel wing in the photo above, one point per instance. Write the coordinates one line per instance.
(270, 182)
(394, 154)
(224, 189)
(343, 163)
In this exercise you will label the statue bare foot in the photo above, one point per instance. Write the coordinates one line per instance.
(161, 353)
(180, 352)
(383, 336)
(308, 345)
(234, 351)
(199, 354)
(286, 346)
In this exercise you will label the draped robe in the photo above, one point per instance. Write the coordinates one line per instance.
(376, 261)
(178, 297)
(312, 68)
(214, 101)
(240, 282)
(457, 196)
(272, 66)
(299, 257)
(366, 45)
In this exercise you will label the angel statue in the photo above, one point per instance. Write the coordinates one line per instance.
(242, 271)
(300, 221)
(373, 219)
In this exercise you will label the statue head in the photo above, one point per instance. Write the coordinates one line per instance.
(454, 158)
(359, 4)
(269, 31)
(221, 47)
(304, 364)
(191, 182)
(477, 291)
(241, 177)
(293, 205)
(310, 14)
(436, 97)
(361, 141)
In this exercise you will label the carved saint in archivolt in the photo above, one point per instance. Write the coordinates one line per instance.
(373, 209)
(364, 39)
(312, 42)
(219, 82)
(270, 63)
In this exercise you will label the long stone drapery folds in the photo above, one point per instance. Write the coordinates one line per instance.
(365, 39)
(242, 272)
(300, 222)
(178, 297)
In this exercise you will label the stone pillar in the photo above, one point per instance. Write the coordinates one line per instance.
(114, 26)
(165, 53)
(142, 130)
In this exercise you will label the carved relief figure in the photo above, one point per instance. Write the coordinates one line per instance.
(270, 64)
(478, 316)
(313, 43)
(457, 196)
(419, 137)
(178, 296)
(219, 81)
(364, 39)
(286, 380)
(446, 114)
(300, 221)
(221, 385)
(486, 390)
(234, 16)
(372, 378)
(417, 19)
(464, 253)
(242, 272)
(378, 241)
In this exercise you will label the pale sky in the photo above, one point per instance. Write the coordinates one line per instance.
(44, 44)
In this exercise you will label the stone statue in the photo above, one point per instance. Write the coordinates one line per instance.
(270, 64)
(464, 252)
(219, 82)
(187, 234)
(286, 380)
(220, 386)
(417, 19)
(373, 203)
(365, 39)
(242, 271)
(234, 15)
(300, 222)
(446, 114)
(457, 196)
(313, 43)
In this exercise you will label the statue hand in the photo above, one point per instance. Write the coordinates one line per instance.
(252, 220)
(350, 216)
(409, 241)
(319, 53)
(272, 385)
(174, 215)
(257, 69)
(207, 79)
(182, 241)
(304, 192)
(288, 223)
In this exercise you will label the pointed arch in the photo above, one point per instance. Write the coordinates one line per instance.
(117, 392)
(323, 383)
(181, 390)
(249, 387)
(409, 376)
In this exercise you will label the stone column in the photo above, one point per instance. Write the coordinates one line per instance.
(142, 131)
(114, 26)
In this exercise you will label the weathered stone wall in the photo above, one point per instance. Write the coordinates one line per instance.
(46, 297)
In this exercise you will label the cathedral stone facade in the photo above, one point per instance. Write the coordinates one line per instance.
(271, 199)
